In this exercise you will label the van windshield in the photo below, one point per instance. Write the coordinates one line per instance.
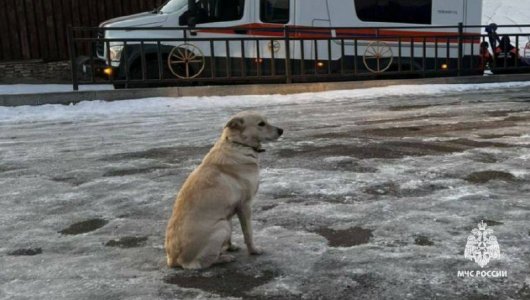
(172, 6)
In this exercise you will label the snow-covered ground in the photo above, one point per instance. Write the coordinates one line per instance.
(371, 194)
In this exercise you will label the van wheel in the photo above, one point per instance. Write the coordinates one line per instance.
(151, 72)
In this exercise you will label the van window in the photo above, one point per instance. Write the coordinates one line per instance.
(274, 11)
(172, 6)
(395, 11)
(209, 11)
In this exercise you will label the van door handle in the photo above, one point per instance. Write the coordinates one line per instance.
(193, 32)
(240, 31)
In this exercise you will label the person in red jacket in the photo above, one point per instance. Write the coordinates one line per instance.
(506, 53)
(485, 54)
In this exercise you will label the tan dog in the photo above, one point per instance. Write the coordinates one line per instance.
(199, 231)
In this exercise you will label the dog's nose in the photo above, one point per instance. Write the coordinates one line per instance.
(280, 131)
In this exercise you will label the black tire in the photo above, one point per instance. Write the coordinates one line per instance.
(151, 72)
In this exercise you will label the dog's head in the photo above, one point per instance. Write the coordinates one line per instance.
(250, 129)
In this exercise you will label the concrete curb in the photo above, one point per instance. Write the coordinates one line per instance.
(227, 90)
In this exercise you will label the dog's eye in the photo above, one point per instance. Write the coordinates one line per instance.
(261, 124)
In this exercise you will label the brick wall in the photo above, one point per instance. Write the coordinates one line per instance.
(35, 71)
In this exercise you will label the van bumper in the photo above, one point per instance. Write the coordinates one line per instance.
(96, 67)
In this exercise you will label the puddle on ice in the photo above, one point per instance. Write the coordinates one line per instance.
(268, 207)
(25, 252)
(345, 237)
(393, 189)
(132, 171)
(485, 176)
(228, 282)
(524, 118)
(409, 107)
(165, 154)
(389, 149)
(84, 226)
(437, 129)
(127, 242)
(7, 168)
(422, 240)
(72, 180)
(486, 158)
(500, 135)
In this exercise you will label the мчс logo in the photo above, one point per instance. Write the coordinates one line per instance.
(482, 245)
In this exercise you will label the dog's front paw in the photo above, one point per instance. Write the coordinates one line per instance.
(255, 251)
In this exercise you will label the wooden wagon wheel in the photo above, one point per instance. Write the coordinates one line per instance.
(186, 61)
(378, 57)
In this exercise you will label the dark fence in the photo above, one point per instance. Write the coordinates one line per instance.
(289, 54)
(37, 29)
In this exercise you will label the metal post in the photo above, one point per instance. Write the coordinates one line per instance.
(399, 54)
(228, 63)
(273, 58)
(355, 51)
(73, 65)
(243, 71)
(159, 60)
(460, 47)
(212, 59)
(288, 77)
(258, 59)
(302, 57)
(517, 49)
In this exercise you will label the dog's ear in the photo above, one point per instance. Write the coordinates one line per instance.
(236, 123)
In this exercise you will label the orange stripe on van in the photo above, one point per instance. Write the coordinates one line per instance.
(271, 30)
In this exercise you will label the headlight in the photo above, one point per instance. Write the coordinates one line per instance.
(115, 53)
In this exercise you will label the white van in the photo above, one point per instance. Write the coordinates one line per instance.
(334, 31)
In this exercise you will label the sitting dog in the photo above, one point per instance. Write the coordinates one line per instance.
(199, 231)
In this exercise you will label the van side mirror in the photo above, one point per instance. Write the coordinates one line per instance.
(192, 21)
(183, 19)
(187, 19)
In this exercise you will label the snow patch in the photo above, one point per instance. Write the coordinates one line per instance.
(177, 107)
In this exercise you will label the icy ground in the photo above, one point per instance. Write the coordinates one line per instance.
(371, 194)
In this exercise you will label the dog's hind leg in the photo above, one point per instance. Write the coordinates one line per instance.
(211, 252)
